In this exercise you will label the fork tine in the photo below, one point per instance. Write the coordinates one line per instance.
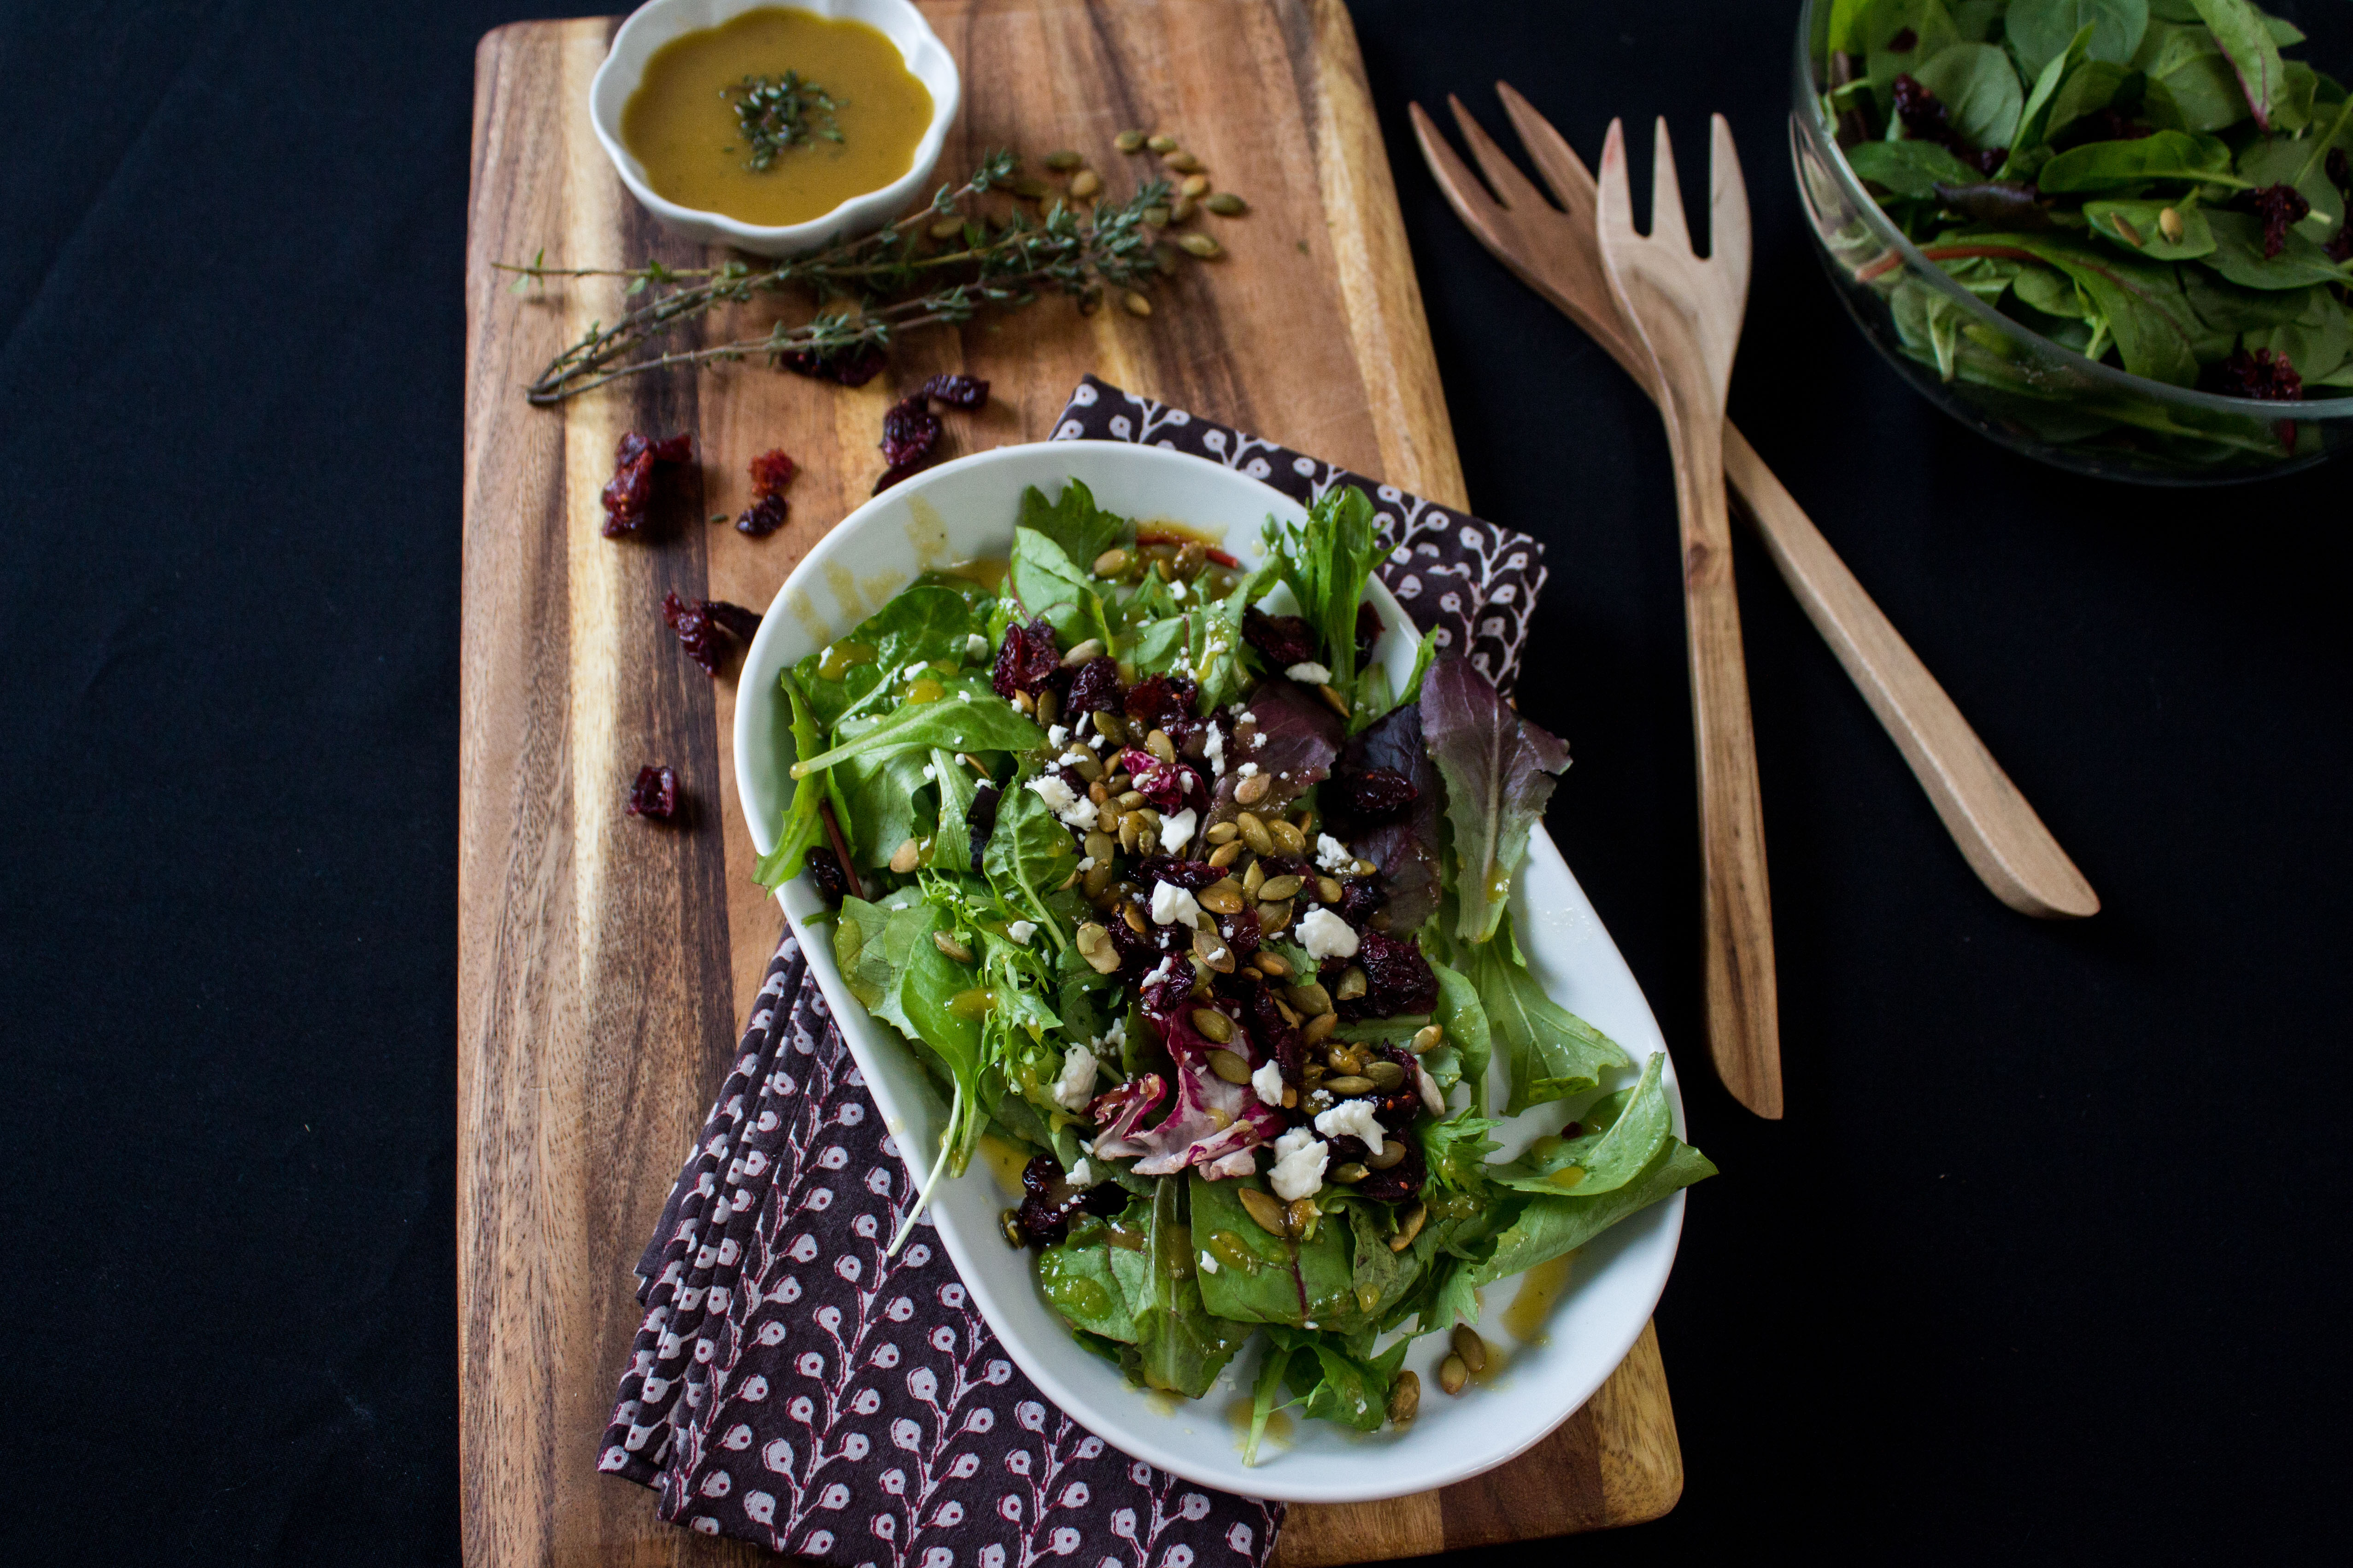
(1461, 187)
(1666, 193)
(1613, 206)
(1548, 150)
(1512, 188)
(1727, 208)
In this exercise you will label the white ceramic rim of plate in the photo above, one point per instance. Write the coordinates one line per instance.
(1645, 1243)
(651, 25)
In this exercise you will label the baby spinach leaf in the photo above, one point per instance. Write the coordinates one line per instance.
(1073, 521)
(1214, 646)
(1052, 588)
(2127, 165)
(1910, 168)
(1552, 1053)
(2111, 220)
(2189, 84)
(2315, 342)
(1468, 1033)
(1266, 1393)
(2027, 147)
(1885, 25)
(881, 806)
(1499, 770)
(1180, 1345)
(1028, 855)
(2239, 256)
(931, 620)
(1095, 1285)
(1295, 1282)
(2238, 27)
(985, 722)
(1980, 91)
(2039, 30)
(2302, 164)
(1617, 1147)
(802, 827)
(952, 843)
(1548, 1226)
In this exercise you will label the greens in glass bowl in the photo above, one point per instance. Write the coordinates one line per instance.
(2109, 233)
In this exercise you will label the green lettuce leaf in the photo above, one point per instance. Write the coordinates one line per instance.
(1552, 1053)
(1326, 563)
(1072, 520)
(1546, 1227)
(984, 723)
(1499, 770)
(1624, 1133)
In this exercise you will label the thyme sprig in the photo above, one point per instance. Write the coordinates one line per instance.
(910, 275)
(774, 111)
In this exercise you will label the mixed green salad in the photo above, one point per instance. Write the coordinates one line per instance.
(2149, 182)
(1182, 898)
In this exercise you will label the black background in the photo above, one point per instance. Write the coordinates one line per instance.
(2044, 1262)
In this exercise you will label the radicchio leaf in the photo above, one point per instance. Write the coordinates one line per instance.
(1301, 737)
(1499, 772)
(1214, 1124)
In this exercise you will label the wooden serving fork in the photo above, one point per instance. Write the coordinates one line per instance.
(1686, 313)
(1558, 253)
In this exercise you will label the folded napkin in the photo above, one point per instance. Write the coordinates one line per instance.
(794, 1387)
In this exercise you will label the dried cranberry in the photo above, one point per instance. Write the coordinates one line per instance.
(739, 623)
(1163, 996)
(896, 472)
(2262, 373)
(1368, 631)
(1399, 1182)
(2107, 125)
(1190, 875)
(1372, 795)
(1360, 899)
(825, 870)
(655, 794)
(763, 516)
(770, 472)
(1273, 1034)
(2340, 249)
(958, 392)
(1902, 43)
(1285, 640)
(1397, 979)
(1027, 660)
(1241, 932)
(1095, 688)
(1165, 784)
(1159, 701)
(980, 821)
(696, 634)
(853, 367)
(631, 489)
(910, 431)
(1925, 119)
(2281, 207)
(677, 449)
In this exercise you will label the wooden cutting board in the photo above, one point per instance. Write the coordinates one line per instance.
(605, 962)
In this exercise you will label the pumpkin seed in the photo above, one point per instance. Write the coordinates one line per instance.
(1274, 964)
(1453, 1373)
(1090, 648)
(1033, 188)
(1252, 790)
(1320, 1027)
(1099, 876)
(1328, 888)
(946, 942)
(1024, 703)
(1392, 1151)
(1429, 1038)
(1127, 836)
(1147, 839)
(1303, 1214)
(1470, 1347)
(1183, 163)
(1345, 1087)
(1128, 141)
(1085, 184)
(1202, 245)
(1272, 919)
(1136, 303)
(1411, 1225)
(1111, 563)
(1095, 947)
(1350, 1172)
(1158, 218)
(1289, 1098)
(1288, 838)
(1158, 743)
(1366, 868)
(1346, 1057)
(1338, 703)
(1225, 204)
(1211, 949)
(1135, 919)
(1213, 1023)
(1230, 1067)
(1254, 834)
(1386, 1074)
(1110, 725)
(903, 858)
(1194, 186)
(1221, 898)
(1253, 878)
(947, 228)
(1225, 855)
(1263, 1208)
(1276, 889)
(1089, 767)
(1222, 832)
(1288, 1017)
(1352, 983)
(1311, 999)
(1161, 142)
(1129, 800)
(1010, 1224)
(1178, 211)
(1404, 1399)
(1100, 846)
(1050, 707)
(2168, 224)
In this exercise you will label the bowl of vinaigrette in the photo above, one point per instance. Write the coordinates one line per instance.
(778, 129)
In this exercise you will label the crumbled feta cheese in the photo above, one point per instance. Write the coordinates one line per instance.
(1268, 1082)
(913, 670)
(1161, 972)
(1076, 1086)
(1175, 832)
(1022, 931)
(1071, 807)
(1214, 748)
(1247, 770)
(1310, 673)
(964, 696)
(1087, 863)
(1257, 740)
(1176, 589)
(1307, 1325)
(1352, 1118)
(1083, 1175)
(1299, 1160)
(1333, 855)
(1171, 903)
(975, 646)
(1209, 1264)
(930, 772)
(1057, 734)
(1109, 1042)
(1325, 935)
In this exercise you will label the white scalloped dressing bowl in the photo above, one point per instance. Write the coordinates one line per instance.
(965, 509)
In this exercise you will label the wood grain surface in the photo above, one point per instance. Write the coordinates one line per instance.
(605, 962)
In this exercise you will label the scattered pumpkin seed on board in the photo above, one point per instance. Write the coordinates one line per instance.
(1128, 141)
(1085, 183)
(1157, 217)
(1195, 185)
(1180, 209)
(1225, 204)
(1163, 144)
(1184, 163)
(1062, 162)
(1032, 187)
(1200, 245)
(1137, 305)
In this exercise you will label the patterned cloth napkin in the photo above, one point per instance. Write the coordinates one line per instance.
(794, 1387)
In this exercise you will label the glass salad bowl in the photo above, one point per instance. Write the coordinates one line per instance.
(2001, 378)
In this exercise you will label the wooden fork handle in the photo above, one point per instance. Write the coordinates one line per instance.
(2003, 841)
(1743, 1030)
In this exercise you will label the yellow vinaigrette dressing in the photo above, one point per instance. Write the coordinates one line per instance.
(682, 121)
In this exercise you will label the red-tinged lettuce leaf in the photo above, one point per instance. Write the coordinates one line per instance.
(1405, 846)
(1301, 738)
(1499, 772)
